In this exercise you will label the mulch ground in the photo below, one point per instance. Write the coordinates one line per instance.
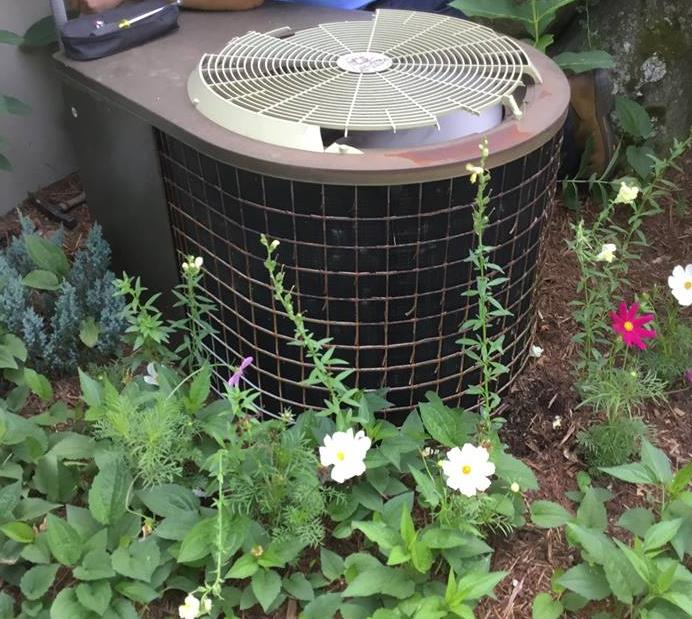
(544, 391)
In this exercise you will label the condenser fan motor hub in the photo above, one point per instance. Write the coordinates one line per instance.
(364, 62)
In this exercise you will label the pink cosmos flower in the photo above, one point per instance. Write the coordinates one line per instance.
(234, 380)
(630, 326)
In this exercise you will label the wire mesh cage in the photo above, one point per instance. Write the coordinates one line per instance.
(380, 269)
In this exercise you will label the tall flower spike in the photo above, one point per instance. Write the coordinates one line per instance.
(631, 327)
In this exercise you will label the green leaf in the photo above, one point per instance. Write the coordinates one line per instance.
(475, 586)
(661, 533)
(199, 542)
(244, 567)
(14, 347)
(638, 563)
(18, 531)
(281, 552)
(545, 607)
(619, 573)
(594, 542)
(323, 607)
(657, 461)
(199, 389)
(398, 555)
(12, 105)
(406, 527)
(513, 470)
(169, 500)
(680, 600)
(587, 581)
(38, 384)
(331, 564)
(95, 597)
(592, 512)
(137, 591)
(89, 332)
(91, 389)
(299, 587)
(681, 480)
(382, 580)
(66, 606)
(635, 473)
(46, 255)
(108, 493)
(139, 560)
(41, 33)
(95, 565)
(266, 585)
(633, 118)
(547, 515)
(588, 60)
(636, 520)
(426, 487)
(73, 446)
(41, 280)
(379, 533)
(9, 498)
(639, 158)
(442, 422)
(9, 38)
(6, 606)
(494, 9)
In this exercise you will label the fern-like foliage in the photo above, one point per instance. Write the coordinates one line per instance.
(50, 317)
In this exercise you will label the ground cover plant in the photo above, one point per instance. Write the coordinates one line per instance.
(147, 493)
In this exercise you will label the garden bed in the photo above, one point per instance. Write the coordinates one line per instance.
(542, 415)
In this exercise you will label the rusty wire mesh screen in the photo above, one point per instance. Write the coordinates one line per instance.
(381, 270)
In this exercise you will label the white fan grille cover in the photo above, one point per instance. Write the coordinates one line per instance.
(400, 70)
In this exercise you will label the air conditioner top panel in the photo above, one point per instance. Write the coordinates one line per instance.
(400, 70)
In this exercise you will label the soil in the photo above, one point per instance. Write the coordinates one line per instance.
(542, 393)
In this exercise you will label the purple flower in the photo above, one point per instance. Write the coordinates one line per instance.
(688, 375)
(234, 380)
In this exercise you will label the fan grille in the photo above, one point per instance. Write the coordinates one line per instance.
(401, 70)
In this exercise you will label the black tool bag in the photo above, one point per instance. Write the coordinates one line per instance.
(102, 34)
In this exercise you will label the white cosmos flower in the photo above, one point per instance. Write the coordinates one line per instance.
(152, 376)
(190, 608)
(468, 469)
(680, 283)
(345, 453)
(627, 193)
(607, 253)
(536, 352)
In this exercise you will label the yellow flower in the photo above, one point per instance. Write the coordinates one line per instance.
(475, 171)
(627, 193)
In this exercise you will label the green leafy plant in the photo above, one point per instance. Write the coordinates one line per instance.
(64, 312)
(640, 575)
(536, 17)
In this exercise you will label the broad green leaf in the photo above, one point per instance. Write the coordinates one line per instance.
(513, 470)
(137, 591)
(426, 487)
(281, 552)
(639, 563)
(244, 567)
(299, 587)
(398, 555)
(18, 531)
(407, 529)
(680, 600)
(592, 541)
(379, 533)
(639, 158)
(95, 597)
(661, 533)
(108, 493)
(587, 581)
(621, 577)
(54, 479)
(266, 585)
(495, 9)
(441, 422)
(323, 606)
(633, 118)
(9, 498)
(139, 560)
(592, 512)
(475, 586)
(635, 473)
(73, 446)
(682, 479)
(199, 389)
(636, 520)
(9, 38)
(169, 500)
(382, 580)
(331, 564)
(95, 565)
(89, 332)
(587, 60)
(657, 461)
(66, 606)
(14, 346)
(545, 607)
(91, 389)
(6, 605)
(37, 580)
(41, 280)
(46, 255)
(38, 384)
(41, 33)
(547, 515)
(12, 105)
